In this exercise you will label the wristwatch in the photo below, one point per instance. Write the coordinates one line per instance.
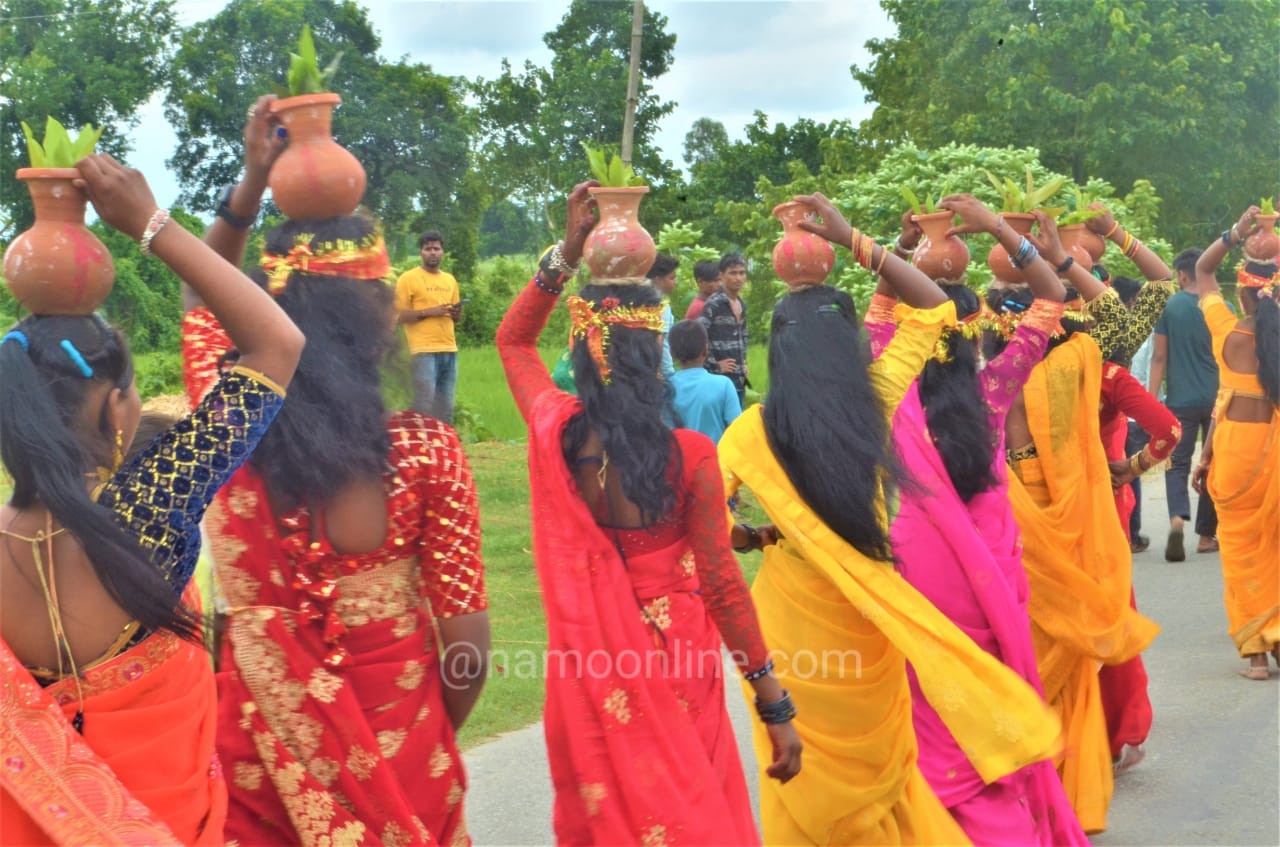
(224, 209)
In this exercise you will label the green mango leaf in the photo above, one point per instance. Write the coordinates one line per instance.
(330, 69)
(85, 142)
(912, 201)
(615, 171)
(57, 145)
(1037, 196)
(34, 151)
(595, 161)
(307, 46)
(1268, 204)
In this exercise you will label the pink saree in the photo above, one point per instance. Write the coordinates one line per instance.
(966, 558)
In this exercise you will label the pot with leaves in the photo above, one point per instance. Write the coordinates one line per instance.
(1078, 239)
(941, 257)
(1017, 205)
(1082, 207)
(315, 177)
(1264, 245)
(619, 250)
(58, 267)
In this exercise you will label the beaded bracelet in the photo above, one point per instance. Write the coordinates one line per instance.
(765, 670)
(555, 289)
(1066, 265)
(158, 219)
(1025, 255)
(779, 711)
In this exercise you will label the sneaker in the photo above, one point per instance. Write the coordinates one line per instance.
(1173, 549)
(1139, 544)
(1130, 755)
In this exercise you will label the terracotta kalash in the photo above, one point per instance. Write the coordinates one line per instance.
(800, 258)
(315, 176)
(58, 266)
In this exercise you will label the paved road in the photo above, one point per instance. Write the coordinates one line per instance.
(1212, 772)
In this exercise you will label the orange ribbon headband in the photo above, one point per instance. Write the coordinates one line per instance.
(355, 260)
(592, 326)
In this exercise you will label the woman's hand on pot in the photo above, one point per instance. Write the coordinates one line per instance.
(911, 231)
(119, 194)
(1047, 242)
(832, 227)
(1248, 223)
(974, 215)
(580, 220)
(262, 143)
(1103, 223)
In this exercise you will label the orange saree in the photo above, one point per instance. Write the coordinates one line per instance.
(141, 774)
(1078, 565)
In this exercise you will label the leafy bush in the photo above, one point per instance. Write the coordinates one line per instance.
(158, 372)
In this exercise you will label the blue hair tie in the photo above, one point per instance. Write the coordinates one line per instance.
(18, 336)
(74, 355)
(1014, 306)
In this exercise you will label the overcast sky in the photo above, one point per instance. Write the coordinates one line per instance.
(787, 58)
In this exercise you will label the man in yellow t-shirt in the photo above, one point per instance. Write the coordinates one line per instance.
(428, 306)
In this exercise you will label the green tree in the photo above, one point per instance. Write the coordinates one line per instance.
(705, 140)
(532, 123)
(406, 125)
(95, 61)
(1183, 93)
(732, 172)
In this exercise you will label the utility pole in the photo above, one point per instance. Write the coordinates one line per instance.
(633, 81)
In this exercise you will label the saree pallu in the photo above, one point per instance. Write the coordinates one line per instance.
(639, 742)
(144, 772)
(1078, 565)
(1244, 479)
(966, 559)
(841, 629)
(324, 744)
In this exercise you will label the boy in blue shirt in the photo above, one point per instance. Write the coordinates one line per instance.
(704, 401)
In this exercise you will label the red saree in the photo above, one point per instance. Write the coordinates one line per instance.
(332, 723)
(640, 745)
(144, 773)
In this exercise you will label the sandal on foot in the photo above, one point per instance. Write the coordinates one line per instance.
(1211, 547)
(1173, 549)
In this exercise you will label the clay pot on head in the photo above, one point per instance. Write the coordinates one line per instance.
(1264, 245)
(57, 267)
(619, 250)
(1094, 243)
(800, 258)
(315, 177)
(1074, 242)
(941, 257)
(998, 258)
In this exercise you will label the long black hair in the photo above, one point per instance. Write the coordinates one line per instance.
(630, 414)
(953, 406)
(1266, 333)
(48, 445)
(825, 423)
(332, 429)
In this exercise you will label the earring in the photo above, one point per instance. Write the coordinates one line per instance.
(117, 454)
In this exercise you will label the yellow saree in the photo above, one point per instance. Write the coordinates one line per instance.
(1078, 565)
(841, 628)
(1244, 480)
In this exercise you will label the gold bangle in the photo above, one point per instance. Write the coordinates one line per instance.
(883, 255)
(1114, 226)
(1135, 464)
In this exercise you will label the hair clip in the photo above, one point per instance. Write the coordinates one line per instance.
(18, 336)
(1013, 306)
(74, 355)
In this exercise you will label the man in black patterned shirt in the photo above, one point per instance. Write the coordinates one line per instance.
(725, 318)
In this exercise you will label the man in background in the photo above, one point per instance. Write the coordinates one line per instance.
(428, 305)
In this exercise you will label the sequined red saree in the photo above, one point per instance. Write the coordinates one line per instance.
(332, 724)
